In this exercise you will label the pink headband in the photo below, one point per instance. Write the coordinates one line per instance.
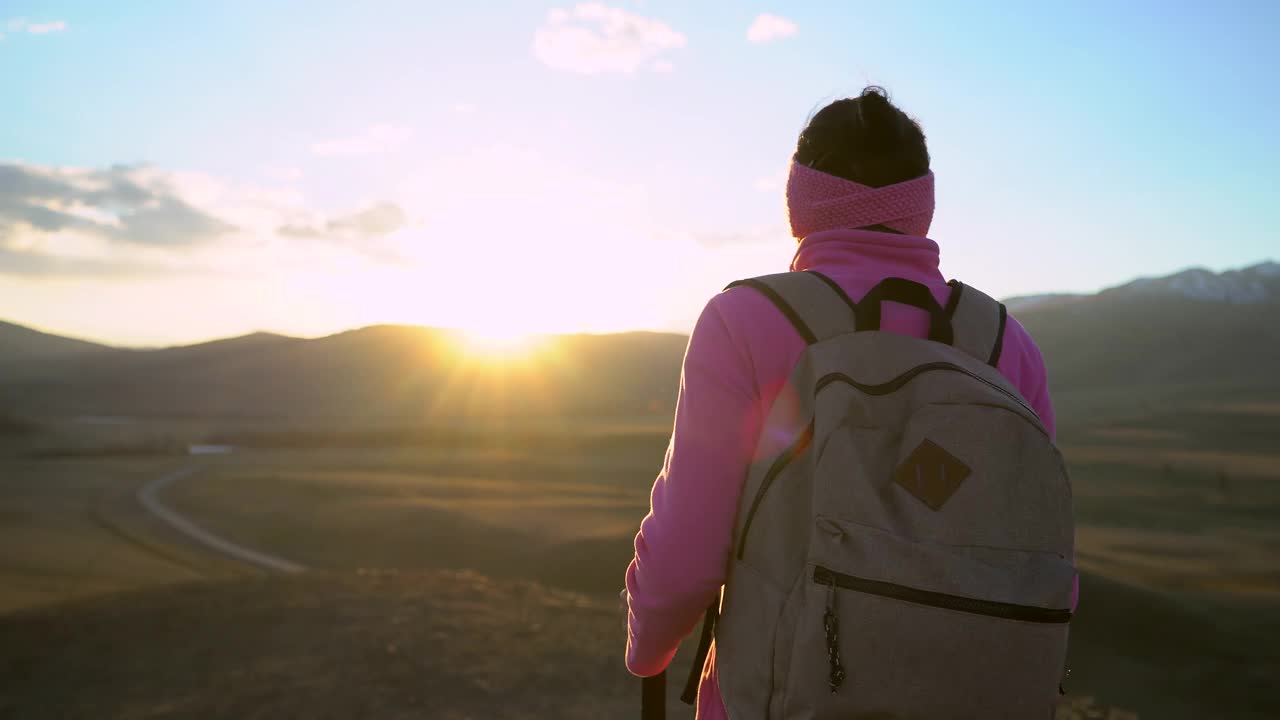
(817, 201)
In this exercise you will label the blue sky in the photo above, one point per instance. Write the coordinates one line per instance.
(309, 167)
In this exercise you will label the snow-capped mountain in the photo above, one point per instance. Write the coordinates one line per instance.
(1023, 303)
(1255, 284)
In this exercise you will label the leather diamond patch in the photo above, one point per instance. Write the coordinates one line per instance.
(931, 474)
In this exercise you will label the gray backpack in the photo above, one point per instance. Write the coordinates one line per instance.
(904, 541)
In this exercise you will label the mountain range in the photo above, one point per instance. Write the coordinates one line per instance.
(1254, 284)
(1192, 337)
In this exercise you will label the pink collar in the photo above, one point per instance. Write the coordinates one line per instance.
(873, 253)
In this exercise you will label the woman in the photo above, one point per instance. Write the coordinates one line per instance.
(743, 349)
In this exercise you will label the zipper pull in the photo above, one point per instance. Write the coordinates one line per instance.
(831, 624)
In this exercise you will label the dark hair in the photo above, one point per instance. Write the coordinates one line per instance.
(866, 139)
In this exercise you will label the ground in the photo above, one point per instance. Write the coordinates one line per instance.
(479, 580)
(349, 645)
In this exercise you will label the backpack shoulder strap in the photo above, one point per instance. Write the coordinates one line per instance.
(817, 307)
(978, 322)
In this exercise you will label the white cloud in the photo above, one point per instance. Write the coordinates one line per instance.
(594, 38)
(138, 219)
(119, 204)
(17, 25)
(403, 255)
(663, 66)
(463, 107)
(376, 139)
(768, 28)
(376, 221)
(48, 27)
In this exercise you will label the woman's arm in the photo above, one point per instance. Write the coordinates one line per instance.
(1027, 371)
(1023, 364)
(683, 547)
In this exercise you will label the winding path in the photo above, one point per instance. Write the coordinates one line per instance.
(148, 496)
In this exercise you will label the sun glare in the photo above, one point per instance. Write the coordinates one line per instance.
(499, 343)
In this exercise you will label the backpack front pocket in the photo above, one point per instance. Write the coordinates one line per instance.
(924, 630)
(959, 603)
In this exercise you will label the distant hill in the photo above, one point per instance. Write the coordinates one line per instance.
(1194, 339)
(1188, 338)
(1117, 354)
(1257, 284)
(1023, 303)
(374, 375)
(18, 343)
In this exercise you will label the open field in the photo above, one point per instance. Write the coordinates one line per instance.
(350, 645)
(1179, 612)
(70, 530)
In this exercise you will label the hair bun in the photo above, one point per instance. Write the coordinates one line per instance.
(866, 139)
(880, 119)
(875, 95)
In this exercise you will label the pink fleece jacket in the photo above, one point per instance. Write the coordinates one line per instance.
(740, 354)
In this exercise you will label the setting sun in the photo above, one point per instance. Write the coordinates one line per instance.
(499, 343)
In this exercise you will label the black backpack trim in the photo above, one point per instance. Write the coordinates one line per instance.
(999, 346)
(796, 321)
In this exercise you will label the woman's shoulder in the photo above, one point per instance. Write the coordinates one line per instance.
(1019, 349)
(751, 317)
(740, 331)
(1023, 363)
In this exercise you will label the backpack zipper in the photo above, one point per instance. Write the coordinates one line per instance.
(791, 453)
(975, 606)
(802, 443)
(831, 628)
(896, 384)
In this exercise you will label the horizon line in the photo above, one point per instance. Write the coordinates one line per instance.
(1266, 262)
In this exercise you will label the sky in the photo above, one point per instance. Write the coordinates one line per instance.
(173, 172)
